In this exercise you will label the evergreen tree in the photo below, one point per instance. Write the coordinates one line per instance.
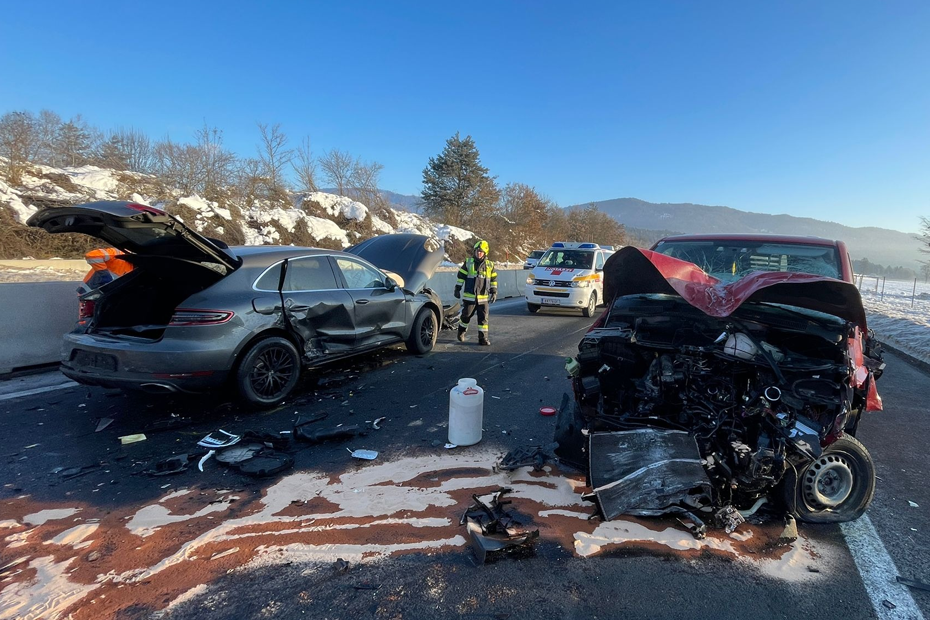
(75, 143)
(456, 187)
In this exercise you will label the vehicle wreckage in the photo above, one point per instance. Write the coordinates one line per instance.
(708, 399)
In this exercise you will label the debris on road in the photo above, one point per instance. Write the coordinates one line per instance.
(128, 439)
(912, 504)
(377, 423)
(367, 455)
(492, 529)
(308, 435)
(917, 585)
(529, 456)
(102, 423)
(171, 465)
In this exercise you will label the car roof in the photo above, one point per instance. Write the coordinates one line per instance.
(751, 237)
(264, 255)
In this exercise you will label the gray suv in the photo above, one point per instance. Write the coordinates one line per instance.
(195, 315)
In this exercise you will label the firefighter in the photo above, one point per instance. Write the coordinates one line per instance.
(105, 266)
(478, 278)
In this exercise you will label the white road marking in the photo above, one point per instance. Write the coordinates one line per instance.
(49, 388)
(878, 572)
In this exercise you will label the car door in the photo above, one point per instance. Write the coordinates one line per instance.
(599, 271)
(380, 310)
(316, 307)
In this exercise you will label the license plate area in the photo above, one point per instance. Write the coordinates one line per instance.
(98, 361)
(549, 301)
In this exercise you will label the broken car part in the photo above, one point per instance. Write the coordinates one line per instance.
(529, 456)
(319, 436)
(493, 529)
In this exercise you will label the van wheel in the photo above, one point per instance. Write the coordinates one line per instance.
(533, 308)
(268, 372)
(838, 486)
(423, 333)
(592, 304)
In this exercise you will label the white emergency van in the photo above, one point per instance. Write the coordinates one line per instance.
(569, 275)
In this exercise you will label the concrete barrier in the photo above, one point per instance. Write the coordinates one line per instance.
(35, 317)
(37, 314)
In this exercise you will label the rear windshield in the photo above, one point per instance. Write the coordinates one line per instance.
(570, 259)
(731, 260)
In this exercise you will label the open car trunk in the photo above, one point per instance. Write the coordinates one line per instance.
(142, 302)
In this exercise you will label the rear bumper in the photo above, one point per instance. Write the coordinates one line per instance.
(173, 365)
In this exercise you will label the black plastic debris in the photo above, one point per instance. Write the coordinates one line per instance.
(304, 433)
(171, 465)
(238, 453)
(729, 518)
(493, 530)
(527, 456)
(265, 463)
(275, 441)
(917, 585)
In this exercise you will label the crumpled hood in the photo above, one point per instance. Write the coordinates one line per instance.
(413, 257)
(632, 271)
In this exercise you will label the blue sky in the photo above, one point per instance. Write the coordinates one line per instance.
(818, 109)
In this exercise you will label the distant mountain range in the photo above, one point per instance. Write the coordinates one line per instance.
(880, 245)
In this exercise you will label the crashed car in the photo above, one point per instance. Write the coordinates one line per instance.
(711, 394)
(194, 315)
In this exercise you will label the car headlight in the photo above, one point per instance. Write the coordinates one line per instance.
(584, 281)
(530, 279)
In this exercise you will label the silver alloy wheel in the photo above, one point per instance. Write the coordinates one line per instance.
(828, 482)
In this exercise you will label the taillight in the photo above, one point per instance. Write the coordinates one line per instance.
(85, 311)
(144, 208)
(183, 316)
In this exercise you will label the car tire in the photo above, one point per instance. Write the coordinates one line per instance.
(268, 372)
(836, 487)
(423, 332)
(588, 310)
(533, 308)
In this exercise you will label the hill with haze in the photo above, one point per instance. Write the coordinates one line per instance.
(879, 245)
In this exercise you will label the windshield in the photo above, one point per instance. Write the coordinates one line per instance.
(569, 259)
(536, 253)
(731, 260)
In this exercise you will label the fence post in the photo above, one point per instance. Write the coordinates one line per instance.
(914, 293)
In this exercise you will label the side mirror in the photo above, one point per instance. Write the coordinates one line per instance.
(389, 283)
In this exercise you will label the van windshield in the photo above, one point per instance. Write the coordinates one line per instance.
(730, 260)
(569, 259)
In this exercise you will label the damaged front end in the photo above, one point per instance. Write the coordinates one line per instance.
(707, 400)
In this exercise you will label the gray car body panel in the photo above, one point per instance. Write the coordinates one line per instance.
(325, 324)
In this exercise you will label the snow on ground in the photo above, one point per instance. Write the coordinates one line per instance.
(21, 210)
(336, 205)
(900, 316)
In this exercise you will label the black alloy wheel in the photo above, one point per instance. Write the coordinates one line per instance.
(423, 332)
(268, 371)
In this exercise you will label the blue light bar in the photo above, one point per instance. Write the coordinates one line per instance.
(558, 244)
(587, 246)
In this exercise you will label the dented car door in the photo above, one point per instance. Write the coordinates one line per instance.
(316, 307)
(380, 310)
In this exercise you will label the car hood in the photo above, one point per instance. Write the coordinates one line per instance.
(413, 257)
(632, 271)
(134, 228)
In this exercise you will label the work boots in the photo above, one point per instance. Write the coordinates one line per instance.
(461, 335)
(483, 339)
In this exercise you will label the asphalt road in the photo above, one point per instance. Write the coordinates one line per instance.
(98, 538)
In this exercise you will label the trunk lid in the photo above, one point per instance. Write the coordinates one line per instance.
(136, 229)
(413, 257)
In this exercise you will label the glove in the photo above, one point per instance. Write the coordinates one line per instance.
(493, 297)
(458, 292)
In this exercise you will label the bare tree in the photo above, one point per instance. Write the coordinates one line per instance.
(337, 170)
(48, 126)
(217, 162)
(274, 155)
(180, 165)
(18, 143)
(249, 181)
(305, 167)
(363, 184)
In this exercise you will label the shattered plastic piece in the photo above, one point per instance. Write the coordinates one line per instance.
(340, 565)
(492, 529)
(697, 527)
(547, 411)
(219, 439)
(912, 504)
(449, 446)
(128, 439)
(888, 604)
(376, 424)
(171, 465)
(102, 423)
(790, 533)
(319, 436)
(238, 453)
(368, 455)
(917, 585)
(265, 463)
(529, 456)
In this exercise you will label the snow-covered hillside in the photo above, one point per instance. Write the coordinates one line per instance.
(308, 219)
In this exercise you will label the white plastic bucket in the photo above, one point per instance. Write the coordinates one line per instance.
(466, 413)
